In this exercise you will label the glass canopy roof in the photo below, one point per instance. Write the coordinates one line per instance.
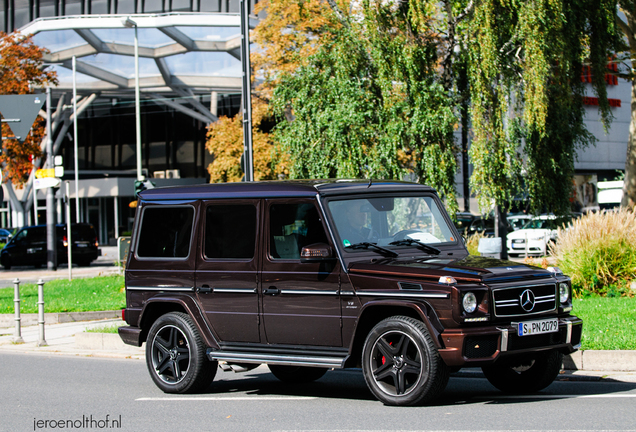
(199, 52)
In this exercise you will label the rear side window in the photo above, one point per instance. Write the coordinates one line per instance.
(166, 232)
(230, 231)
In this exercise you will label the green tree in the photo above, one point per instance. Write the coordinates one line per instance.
(370, 103)
(527, 112)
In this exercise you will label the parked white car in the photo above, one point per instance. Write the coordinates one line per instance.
(534, 237)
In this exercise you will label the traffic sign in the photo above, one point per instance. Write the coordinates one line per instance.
(45, 173)
(20, 111)
(43, 183)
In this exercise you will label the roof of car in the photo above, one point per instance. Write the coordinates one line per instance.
(287, 188)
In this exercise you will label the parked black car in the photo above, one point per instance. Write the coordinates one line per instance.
(5, 235)
(28, 246)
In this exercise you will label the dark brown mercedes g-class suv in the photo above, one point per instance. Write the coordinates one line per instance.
(307, 276)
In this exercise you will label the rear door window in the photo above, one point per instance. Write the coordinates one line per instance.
(166, 232)
(230, 231)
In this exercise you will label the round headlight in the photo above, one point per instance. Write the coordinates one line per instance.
(469, 302)
(564, 292)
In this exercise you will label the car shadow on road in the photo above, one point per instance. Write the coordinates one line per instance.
(350, 385)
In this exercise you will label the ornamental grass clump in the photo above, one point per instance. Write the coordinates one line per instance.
(472, 242)
(598, 251)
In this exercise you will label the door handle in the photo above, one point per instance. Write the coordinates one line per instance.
(204, 289)
(271, 291)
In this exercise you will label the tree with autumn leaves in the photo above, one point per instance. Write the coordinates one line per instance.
(22, 71)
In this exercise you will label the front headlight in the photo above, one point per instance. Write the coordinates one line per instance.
(564, 292)
(469, 302)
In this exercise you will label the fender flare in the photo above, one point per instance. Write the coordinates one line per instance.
(191, 308)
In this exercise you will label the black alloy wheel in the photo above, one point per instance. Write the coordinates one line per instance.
(175, 355)
(401, 364)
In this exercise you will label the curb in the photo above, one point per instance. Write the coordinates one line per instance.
(8, 320)
(105, 341)
(601, 360)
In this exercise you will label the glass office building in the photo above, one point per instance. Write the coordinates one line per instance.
(189, 74)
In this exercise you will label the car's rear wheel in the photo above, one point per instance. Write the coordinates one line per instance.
(175, 355)
(401, 364)
(527, 374)
(296, 374)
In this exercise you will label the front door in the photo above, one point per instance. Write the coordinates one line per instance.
(301, 301)
(227, 269)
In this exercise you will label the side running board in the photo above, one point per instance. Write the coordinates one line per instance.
(288, 359)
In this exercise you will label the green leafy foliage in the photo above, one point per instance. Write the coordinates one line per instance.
(369, 104)
(526, 93)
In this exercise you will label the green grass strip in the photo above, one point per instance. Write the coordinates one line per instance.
(110, 328)
(608, 323)
(79, 295)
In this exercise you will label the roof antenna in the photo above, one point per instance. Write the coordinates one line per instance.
(370, 182)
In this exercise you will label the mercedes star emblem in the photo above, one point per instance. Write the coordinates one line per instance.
(526, 299)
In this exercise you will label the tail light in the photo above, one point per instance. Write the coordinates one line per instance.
(123, 314)
(65, 241)
(96, 242)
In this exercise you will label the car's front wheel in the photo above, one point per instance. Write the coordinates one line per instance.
(527, 374)
(175, 355)
(401, 364)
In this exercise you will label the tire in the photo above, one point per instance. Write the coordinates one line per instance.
(6, 263)
(525, 374)
(401, 364)
(297, 374)
(175, 355)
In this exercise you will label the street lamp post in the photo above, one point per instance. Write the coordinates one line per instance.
(132, 24)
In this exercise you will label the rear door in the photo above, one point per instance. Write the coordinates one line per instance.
(161, 254)
(301, 301)
(227, 269)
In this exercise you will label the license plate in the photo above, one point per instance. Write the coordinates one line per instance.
(528, 328)
(81, 245)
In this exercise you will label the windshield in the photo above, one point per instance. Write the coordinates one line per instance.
(384, 220)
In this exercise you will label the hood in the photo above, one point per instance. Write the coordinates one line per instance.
(470, 269)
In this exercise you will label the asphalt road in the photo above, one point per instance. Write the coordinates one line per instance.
(35, 389)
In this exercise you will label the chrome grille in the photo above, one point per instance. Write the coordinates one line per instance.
(524, 300)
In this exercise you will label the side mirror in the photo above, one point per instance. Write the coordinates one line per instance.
(316, 252)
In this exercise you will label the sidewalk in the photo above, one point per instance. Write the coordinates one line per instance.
(71, 338)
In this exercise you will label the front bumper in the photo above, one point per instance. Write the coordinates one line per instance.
(481, 346)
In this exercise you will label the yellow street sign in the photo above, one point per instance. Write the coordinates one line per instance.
(44, 173)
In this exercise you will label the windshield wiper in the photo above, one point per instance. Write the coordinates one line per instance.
(417, 243)
(374, 247)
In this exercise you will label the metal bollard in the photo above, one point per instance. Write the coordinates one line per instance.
(17, 335)
(41, 341)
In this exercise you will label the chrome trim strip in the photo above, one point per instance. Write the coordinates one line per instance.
(568, 337)
(308, 292)
(235, 290)
(348, 293)
(504, 339)
(523, 286)
(159, 288)
(404, 294)
(327, 362)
